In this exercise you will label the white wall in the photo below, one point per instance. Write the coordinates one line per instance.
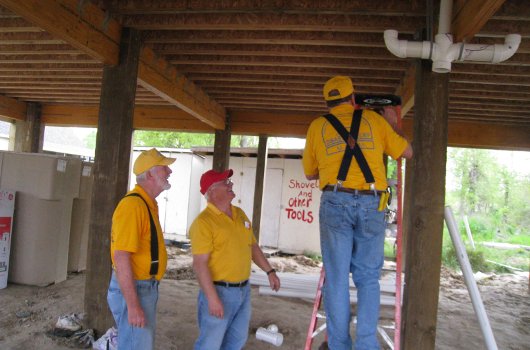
(290, 205)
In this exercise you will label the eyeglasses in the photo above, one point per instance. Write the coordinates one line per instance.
(225, 182)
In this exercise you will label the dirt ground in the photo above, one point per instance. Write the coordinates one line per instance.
(29, 312)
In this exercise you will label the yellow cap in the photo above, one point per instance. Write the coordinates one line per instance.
(338, 87)
(148, 159)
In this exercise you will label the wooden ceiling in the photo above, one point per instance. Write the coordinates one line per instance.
(254, 60)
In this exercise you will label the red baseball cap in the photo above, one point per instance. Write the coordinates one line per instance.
(211, 176)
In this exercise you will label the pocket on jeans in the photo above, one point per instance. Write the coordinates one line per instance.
(332, 214)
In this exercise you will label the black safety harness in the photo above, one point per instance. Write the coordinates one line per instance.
(352, 149)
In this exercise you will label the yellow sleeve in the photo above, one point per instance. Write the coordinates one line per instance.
(201, 237)
(308, 159)
(395, 145)
(127, 224)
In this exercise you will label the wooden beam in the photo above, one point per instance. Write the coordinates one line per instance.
(272, 124)
(111, 174)
(461, 133)
(146, 118)
(12, 109)
(88, 29)
(157, 76)
(424, 239)
(468, 21)
(259, 185)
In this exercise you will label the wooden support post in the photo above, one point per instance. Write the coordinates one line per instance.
(424, 241)
(221, 148)
(28, 134)
(111, 174)
(261, 170)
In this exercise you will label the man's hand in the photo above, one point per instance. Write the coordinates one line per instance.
(390, 114)
(136, 316)
(215, 307)
(274, 281)
(124, 274)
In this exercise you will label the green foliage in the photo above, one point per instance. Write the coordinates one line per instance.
(244, 141)
(477, 259)
(90, 140)
(391, 169)
(495, 199)
(312, 255)
(172, 139)
(390, 249)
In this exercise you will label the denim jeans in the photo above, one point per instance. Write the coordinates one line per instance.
(129, 337)
(230, 332)
(352, 234)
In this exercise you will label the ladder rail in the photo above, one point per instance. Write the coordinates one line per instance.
(316, 307)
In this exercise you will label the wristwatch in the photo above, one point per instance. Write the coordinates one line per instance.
(271, 271)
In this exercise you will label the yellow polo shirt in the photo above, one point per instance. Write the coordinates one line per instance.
(324, 148)
(131, 232)
(228, 241)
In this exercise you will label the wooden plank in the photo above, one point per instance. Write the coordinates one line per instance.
(12, 109)
(111, 175)
(424, 243)
(59, 19)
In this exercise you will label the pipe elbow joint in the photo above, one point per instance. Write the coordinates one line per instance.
(503, 52)
(396, 47)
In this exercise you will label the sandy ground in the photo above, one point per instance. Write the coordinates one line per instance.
(29, 312)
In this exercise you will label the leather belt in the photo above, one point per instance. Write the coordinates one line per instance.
(228, 284)
(351, 190)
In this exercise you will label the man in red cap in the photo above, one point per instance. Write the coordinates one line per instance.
(223, 247)
(352, 224)
(138, 254)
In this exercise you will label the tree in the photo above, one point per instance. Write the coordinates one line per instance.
(170, 139)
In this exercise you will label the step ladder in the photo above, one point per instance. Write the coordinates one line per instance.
(374, 102)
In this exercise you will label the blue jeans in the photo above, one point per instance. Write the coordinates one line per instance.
(230, 332)
(129, 337)
(352, 234)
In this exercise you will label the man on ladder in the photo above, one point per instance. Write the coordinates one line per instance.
(352, 218)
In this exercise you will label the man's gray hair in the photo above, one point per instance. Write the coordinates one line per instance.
(142, 177)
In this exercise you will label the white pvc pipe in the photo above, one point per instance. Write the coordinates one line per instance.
(491, 53)
(443, 51)
(446, 12)
(471, 284)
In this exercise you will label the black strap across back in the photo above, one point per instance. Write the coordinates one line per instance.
(153, 271)
(352, 147)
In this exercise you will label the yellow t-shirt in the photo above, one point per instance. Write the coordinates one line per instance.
(131, 232)
(228, 241)
(324, 148)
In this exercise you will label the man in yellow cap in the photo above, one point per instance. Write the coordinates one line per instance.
(223, 248)
(138, 254)
(352, 228)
